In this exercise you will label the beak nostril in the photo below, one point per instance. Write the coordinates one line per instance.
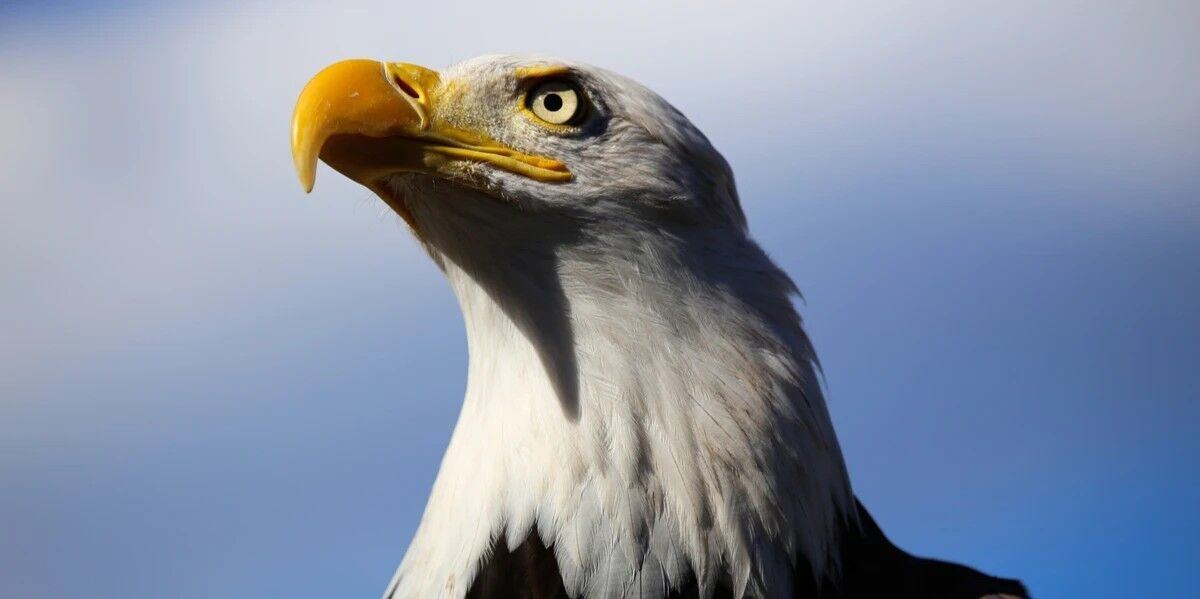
(405, 87)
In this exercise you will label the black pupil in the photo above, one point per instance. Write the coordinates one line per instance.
(552, 102)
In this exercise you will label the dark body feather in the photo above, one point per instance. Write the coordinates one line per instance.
(871, 567)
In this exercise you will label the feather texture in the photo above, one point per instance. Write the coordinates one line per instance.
(643, 413)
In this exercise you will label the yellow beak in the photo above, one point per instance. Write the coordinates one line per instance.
(370, 119)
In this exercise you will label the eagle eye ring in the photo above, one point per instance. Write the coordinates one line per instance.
(557, 102)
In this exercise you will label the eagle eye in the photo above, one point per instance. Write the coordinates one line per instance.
(557, 102)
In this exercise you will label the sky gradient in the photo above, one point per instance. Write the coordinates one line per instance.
(212, 385)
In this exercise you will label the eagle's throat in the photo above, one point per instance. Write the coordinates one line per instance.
(651, 412)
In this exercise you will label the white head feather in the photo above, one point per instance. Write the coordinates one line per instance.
(641, 393)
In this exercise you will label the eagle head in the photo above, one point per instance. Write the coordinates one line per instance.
(541, 136)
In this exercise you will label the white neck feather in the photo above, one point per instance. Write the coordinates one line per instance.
(648, 424)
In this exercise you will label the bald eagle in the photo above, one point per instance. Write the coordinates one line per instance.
(643, 416)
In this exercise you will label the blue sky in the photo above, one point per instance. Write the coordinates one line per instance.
(212, 385)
